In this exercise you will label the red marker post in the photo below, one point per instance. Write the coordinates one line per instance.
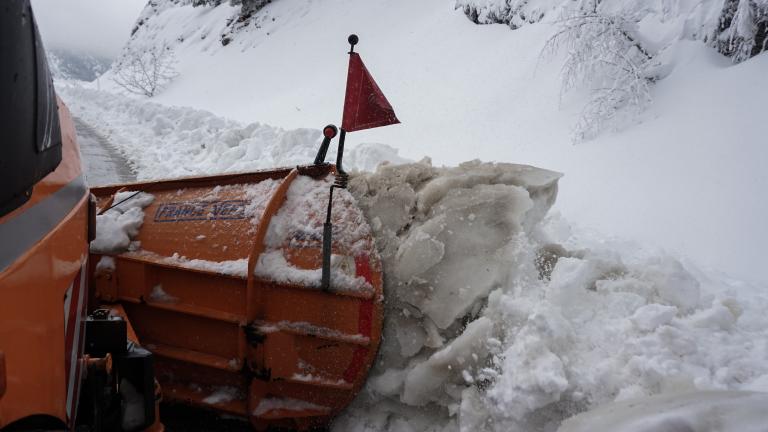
(365, 107)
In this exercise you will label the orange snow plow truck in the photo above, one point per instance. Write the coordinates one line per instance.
(228, 293)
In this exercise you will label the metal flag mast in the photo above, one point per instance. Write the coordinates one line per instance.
(341, 182)
(365, 107)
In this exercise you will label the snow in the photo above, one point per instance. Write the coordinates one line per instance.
(465, 91)
(221, 395)
(132, 405)
(158, 294)
(272, 265)
(427, 378)
(475, 340)
(299, 223)
(164, 142)
(301, 217)
(118, 226)
(308, 328)
(268, 404)
(445, 261)
(238, 267)
(651, 316)
(523, 346)
(687, 412)
(367, 156)
(311, 378)
(505, 311)
(105, 264)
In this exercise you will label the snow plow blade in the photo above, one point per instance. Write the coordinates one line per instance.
(222, 285)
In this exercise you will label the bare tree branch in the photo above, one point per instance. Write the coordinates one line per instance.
(146, 72)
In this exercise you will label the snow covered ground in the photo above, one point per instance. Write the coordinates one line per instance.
(688, 178)
(102, 164)
(678, 412)
(502, 315)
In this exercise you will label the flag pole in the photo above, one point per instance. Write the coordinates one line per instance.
(353, 40)
(341, 181)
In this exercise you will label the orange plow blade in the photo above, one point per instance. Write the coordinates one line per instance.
(222, 284)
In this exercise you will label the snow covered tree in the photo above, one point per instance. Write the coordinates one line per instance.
(145, 72)
(604, 53)
(742, 30)
(514, 13)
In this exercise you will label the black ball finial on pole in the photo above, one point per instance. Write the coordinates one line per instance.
(353, 40)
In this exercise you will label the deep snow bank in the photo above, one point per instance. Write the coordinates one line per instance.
(498, 319)
(162, 142)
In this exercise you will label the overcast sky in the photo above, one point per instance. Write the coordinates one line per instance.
(94, 26)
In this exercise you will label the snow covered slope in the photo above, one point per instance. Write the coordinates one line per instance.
(72, 65)
(686, 178)
(501, 316)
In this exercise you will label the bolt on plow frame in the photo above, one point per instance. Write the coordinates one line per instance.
(222, 284)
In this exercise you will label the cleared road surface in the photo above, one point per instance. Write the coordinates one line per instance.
(103, 164)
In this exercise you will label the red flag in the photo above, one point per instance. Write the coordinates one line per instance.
(365, 106)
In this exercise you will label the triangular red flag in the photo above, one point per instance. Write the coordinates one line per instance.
(365, 106)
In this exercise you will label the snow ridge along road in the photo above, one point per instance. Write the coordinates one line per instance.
(164, 142)
(103, 164)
